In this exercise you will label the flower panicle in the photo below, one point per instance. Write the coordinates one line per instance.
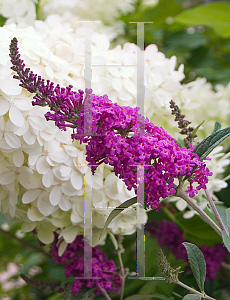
(182, 124)
(170, 274)
(149, 147)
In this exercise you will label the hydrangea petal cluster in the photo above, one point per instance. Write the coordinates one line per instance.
(105, 11)
(169, 235)
(154, 149)
(103, 270)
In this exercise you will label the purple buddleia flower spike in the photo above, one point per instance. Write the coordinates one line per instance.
(114, 140)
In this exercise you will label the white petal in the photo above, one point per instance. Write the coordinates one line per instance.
(18, 158)
(76, 218)
(189, 214)
(44, 205)
(4, 107)
(49, 71)
(34, 214)
(28, 226)
(30, 196)
(76, 179)
(45, 236)
(181, 205)
(42, 166)
(48, 179)
(59, 156)
(68, 189)
(69, 234)
(10, 86)
(12, 140)
(7, 177)
(64, 204)
(16, 116)
(29, 137)
(61, 248)
(37, 123)
(55, 195)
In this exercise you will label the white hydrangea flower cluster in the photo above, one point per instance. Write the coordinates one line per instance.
(22, 12)
(104, 12)
(42, 170)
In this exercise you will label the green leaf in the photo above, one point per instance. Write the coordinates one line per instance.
(197, 263)
(117, 210)
(216, 15)
(196, 129)
(227, 211)
(192, 297)
(197, 231)
(223, 215)
(2, 20)
(209, 143)
(217, 126)
(226, 240)
(55, 297)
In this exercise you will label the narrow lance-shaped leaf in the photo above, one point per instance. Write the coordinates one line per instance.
(209, 143)
(118, 210)
(223, 215)
(217, 126)
(197, 263)
(227, 211)
(196, 129)
(226, 240)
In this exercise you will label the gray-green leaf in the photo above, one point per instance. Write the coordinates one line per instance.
(226, 240)
(217, 126)
(209, 143)
(197, 263)
(192, 297)
(117, 210)
(225, 216)
(196, 129)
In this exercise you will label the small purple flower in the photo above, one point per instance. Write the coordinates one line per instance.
(102, 268)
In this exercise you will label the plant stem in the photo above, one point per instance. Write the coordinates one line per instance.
(203, 295)
(105, 293)
(215, 211)
(181, 193)
(123, 275)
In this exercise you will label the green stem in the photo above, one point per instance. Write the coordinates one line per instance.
(181, 193)
(215, 211)
(105, 293)
(203, 295)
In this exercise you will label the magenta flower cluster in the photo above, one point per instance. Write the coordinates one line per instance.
(121, 137)
(169, 235)
(103, 270)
